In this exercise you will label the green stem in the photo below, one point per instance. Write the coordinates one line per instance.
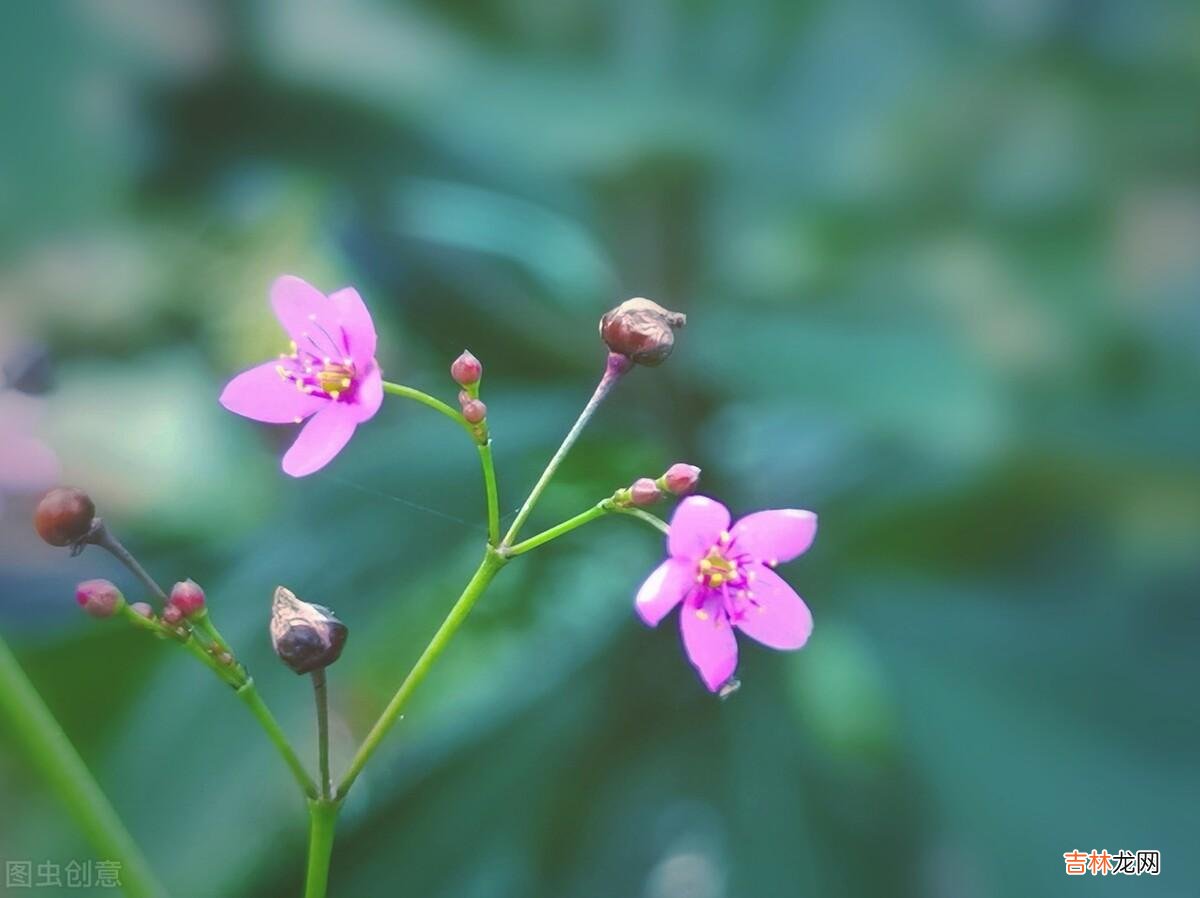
(656, 522)
(250, 697)
(322, 820)
(205, 624)
(320, 694)
(478, 437)
(426, 399)
(51, 752)
(488, 568)
(598, 510)
(613, 369)
(489, 483)
(101, 536)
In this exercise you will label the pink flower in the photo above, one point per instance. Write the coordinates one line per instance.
(724, 578)
(330, 375)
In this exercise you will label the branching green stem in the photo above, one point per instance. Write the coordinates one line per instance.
(479, 437)
(605, 506)
(615, 367)
(252, 700)
(492, 562)
(432, 402)
(26, 716)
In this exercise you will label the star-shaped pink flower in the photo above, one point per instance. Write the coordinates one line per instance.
(724, 578)
(330, 376)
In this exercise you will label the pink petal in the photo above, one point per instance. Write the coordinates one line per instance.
(696, 527)
(664, 589)
(709, 642)
(356, 323)
(298, 304)
(368, 395)
(321, 439)
(781, 620)
(776, 535)
(263, 395)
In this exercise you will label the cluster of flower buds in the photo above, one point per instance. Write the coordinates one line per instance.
(306, 637)
(467, 371)
(67, 517)
(678, 480)
(641, 330)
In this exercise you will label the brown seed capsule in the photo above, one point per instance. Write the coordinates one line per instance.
(64, 516)
(641, 330)
(306, 637)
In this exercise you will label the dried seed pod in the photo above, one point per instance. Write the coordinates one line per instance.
(306, 637)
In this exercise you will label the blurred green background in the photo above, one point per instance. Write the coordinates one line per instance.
(940, 262)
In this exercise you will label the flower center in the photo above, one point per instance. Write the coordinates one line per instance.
(322, 376)
(715, 570)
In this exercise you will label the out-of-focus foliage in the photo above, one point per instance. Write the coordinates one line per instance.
(940, 264)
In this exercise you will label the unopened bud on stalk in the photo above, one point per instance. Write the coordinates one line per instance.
(188, 597)
(474, 411)
(99, 598)
(644, 492)
(142, 609)
(680, 479)
(64, 516)
(641, 330)
(306, 637)
(172, 615)
(466, 369)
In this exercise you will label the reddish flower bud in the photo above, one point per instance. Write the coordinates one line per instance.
(466, 370)
(141, 609)
(641, 330)
(64, 516)
(474, 411)
(99, 598)
(644, 492)
(188, 597)
(171, 615)
(681, 479)
(306, 637)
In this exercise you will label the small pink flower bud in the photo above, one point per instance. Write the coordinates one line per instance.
(188, 597)
(474, 411)
(466, 370)
(681, 479)
(641, 330)
(142, 610)
(99, 598)
(644, 492)
(64, 516)
(171, 615)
